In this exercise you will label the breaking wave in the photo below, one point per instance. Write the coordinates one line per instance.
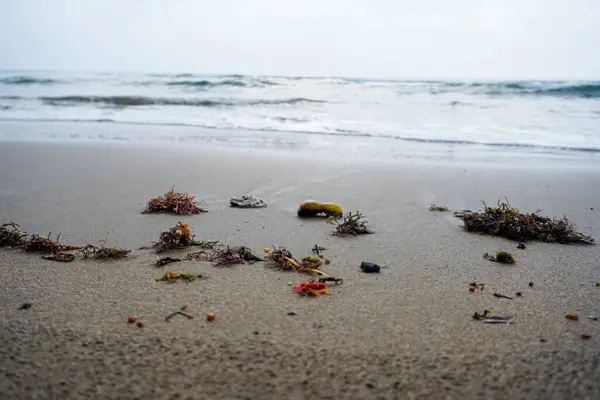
(27, 80)
(132, 101)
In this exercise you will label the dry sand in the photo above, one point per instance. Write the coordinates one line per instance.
(405, 333)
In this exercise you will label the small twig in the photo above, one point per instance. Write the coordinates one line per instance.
(501, 296)
(180, 312)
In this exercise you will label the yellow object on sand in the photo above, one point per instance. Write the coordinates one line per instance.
(312, 208)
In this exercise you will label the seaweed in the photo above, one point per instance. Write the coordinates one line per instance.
(435, 207)
(41, 244)
(234, 255)
(11, 235)
(181, 203)
(173, 276)
(283, 259)
(102, 253)
(352, 224)
(312, 262)
(502, 257)
(166, 260)
(62, 257)
(176, 237)
(507, 221)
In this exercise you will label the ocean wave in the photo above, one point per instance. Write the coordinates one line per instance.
(337, 132)
(132, 101)
(205, 83)
(27, 80)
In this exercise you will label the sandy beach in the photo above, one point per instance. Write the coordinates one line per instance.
(404, 333)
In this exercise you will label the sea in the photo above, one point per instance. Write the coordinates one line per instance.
(379, 117)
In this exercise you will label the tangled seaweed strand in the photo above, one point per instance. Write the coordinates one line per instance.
(234, 255)
(174, 276)
(103, 253)
(176, 237)
(351, 225)
(175, 203)
(435, 207)
(506, 221)
(41, 244)
(11, 235)
(282, 258)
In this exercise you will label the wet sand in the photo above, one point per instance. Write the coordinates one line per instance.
(404, 333)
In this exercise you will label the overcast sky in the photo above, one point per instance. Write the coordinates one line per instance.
(414, 39)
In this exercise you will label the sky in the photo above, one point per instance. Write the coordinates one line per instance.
(407, 39)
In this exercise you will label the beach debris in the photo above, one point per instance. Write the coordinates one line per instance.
(176, 237)
(11, 235)
(314, 208)
(247, 202)
(369, 267)
(507, 221)
(311, 289)
(102, 253)
(325, 279)
(210, 317)
(501, 296)
(593, 317)
(25, 306)
(586, 336)
(181, 203)
(291, 313)
(435, 207)
(486, 317)
(312, 262)
(166, 260)
(502, 257)
(173, 276)
(131, 320)
(283, 259)
(521, 246)
(597, 284)
(139, 324)
(318, 249)
(37, 243)
(352, 224)
(234, 255)
(572, 316)
(181, 311)
(476, 285)
(62, 257)
(327, 261)
(519, 294)
(530, 284)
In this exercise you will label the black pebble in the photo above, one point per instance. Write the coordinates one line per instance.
(25, 306)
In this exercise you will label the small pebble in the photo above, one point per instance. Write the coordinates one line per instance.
(573, 317)
(543, 340)
(586, 336)
(211, 316)
(519, 294)
(530, 284)
(291, 313)
(25, 306)
(289, 283)
(140, 324)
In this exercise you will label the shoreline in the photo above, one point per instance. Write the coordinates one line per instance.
(407, 331)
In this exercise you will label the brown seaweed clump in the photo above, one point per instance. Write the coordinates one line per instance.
(507, 221)
(435, 207)
(352, 224)
(11, 235)
(103, 253)
(234, 255)
(174, 276)
(41, 244)
(176, 237)
(174, 202)
(283, 259)
(502, 257)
